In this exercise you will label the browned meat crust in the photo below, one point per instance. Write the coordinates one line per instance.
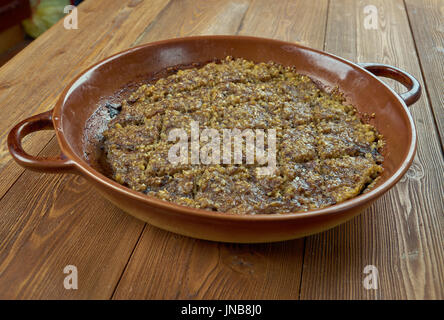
(325, 153)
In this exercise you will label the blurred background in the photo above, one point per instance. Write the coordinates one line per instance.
(21, 21)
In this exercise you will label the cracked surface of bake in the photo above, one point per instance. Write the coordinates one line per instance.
(325, 153)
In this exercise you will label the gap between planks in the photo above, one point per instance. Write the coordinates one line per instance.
(425, 81)
(139, 38)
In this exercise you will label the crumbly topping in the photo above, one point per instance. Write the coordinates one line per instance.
(325, 153)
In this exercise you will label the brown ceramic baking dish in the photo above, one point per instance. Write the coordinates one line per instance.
(112, 76)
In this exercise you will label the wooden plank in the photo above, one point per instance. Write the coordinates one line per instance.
(296, 21)
(51, 221)
(11, 52)
(50, 62)
(402, 233)
(427, 23)
(190, 17)
(168, 266)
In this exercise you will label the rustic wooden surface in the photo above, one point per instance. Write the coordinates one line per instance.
(50, 221)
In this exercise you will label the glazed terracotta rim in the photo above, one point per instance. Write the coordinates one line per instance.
(82, 166)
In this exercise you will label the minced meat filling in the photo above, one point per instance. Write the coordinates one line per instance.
(324, 153)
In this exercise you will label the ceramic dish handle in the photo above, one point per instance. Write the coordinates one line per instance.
(39, 122)
(387, 71)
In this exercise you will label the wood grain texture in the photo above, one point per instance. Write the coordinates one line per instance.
(196, 17)
(427, 24)
(296, 21)
(49, 63)
(103, 30)
(402, 234)
(167, 266)
(10, 53)
(51, 221)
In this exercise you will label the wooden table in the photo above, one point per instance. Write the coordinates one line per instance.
(50, 221)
